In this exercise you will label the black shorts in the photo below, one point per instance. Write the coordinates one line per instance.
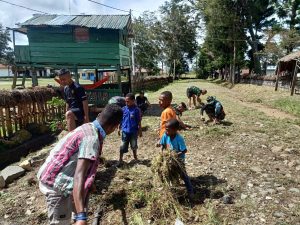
(78, 113)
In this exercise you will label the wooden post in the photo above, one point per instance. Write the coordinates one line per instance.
(2, 123)
(8, 121)
(15, 118)
(34, 78)
(119, 78)
(23, 80)
(174, 68)
(15, 69)
(234, 61)
(14, 79)
(277, 76)
(294, 78)
(129, 80)
(96, 75)
(76, 74)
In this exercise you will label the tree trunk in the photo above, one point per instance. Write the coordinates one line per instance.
(254, 45)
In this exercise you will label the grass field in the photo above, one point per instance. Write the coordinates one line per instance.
(253, 157)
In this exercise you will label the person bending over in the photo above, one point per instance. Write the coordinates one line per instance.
(194, 93)
(213, 109)
(68, 173)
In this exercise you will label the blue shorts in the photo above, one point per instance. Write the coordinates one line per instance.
(129, 138)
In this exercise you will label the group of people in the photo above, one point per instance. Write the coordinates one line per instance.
(67, 175)
(213, 108)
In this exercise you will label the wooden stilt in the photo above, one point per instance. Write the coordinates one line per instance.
(2, 123)
(293, 84)
(8, 121)
(277, 76)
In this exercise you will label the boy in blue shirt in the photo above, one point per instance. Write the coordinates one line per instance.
(173, 141)
(131, 127)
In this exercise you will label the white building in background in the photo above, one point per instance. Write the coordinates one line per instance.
(5, 71)
(271, 69)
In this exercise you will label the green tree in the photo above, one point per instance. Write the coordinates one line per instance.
(178, 31)
(289, 12)
(6, 53)
(146, 48)
(225, 37)
(290, 39)
(257, 16)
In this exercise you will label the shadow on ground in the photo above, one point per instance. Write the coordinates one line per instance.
(205, 186)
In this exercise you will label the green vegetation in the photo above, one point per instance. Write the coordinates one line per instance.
(290, 105)
(58, 123)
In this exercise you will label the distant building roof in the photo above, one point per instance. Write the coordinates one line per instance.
(92, 21)
(2, 66)
(290, 57)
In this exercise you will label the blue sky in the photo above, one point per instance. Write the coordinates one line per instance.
(10, 15)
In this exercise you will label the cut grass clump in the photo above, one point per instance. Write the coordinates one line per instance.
(213, 217)
(168, 167)
(217, 131)
(137, 219)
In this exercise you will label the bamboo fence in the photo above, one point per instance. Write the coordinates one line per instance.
(18, 108)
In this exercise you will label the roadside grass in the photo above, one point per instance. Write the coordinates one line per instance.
(290, 105)
(280, 99)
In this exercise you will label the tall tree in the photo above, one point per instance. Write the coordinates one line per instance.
(257, 15)
(225, 37)
(6, 53)
(178, 31)
(289, 12)
(146, 48)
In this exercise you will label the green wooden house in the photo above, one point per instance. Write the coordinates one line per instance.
(97, 42)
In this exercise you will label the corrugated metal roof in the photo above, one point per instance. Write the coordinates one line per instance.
(92, 21)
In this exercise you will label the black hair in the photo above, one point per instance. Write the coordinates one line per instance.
(130, 96)
(173, 124)
(63, 72)
(141, 92)
(183, 105)
(111, 115)
(167, 94)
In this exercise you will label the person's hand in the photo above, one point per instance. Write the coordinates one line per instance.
(93, 188)
(216, 121)
(81, 222)
(86, 119)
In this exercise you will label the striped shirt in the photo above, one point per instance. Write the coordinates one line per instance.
(85, 142)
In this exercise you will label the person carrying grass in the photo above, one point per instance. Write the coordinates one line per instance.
(173, 141)
(68, 174)
(131, 127)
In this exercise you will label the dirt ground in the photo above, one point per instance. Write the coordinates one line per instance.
(252, 158)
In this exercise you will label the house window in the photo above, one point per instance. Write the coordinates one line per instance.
(81, 34)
